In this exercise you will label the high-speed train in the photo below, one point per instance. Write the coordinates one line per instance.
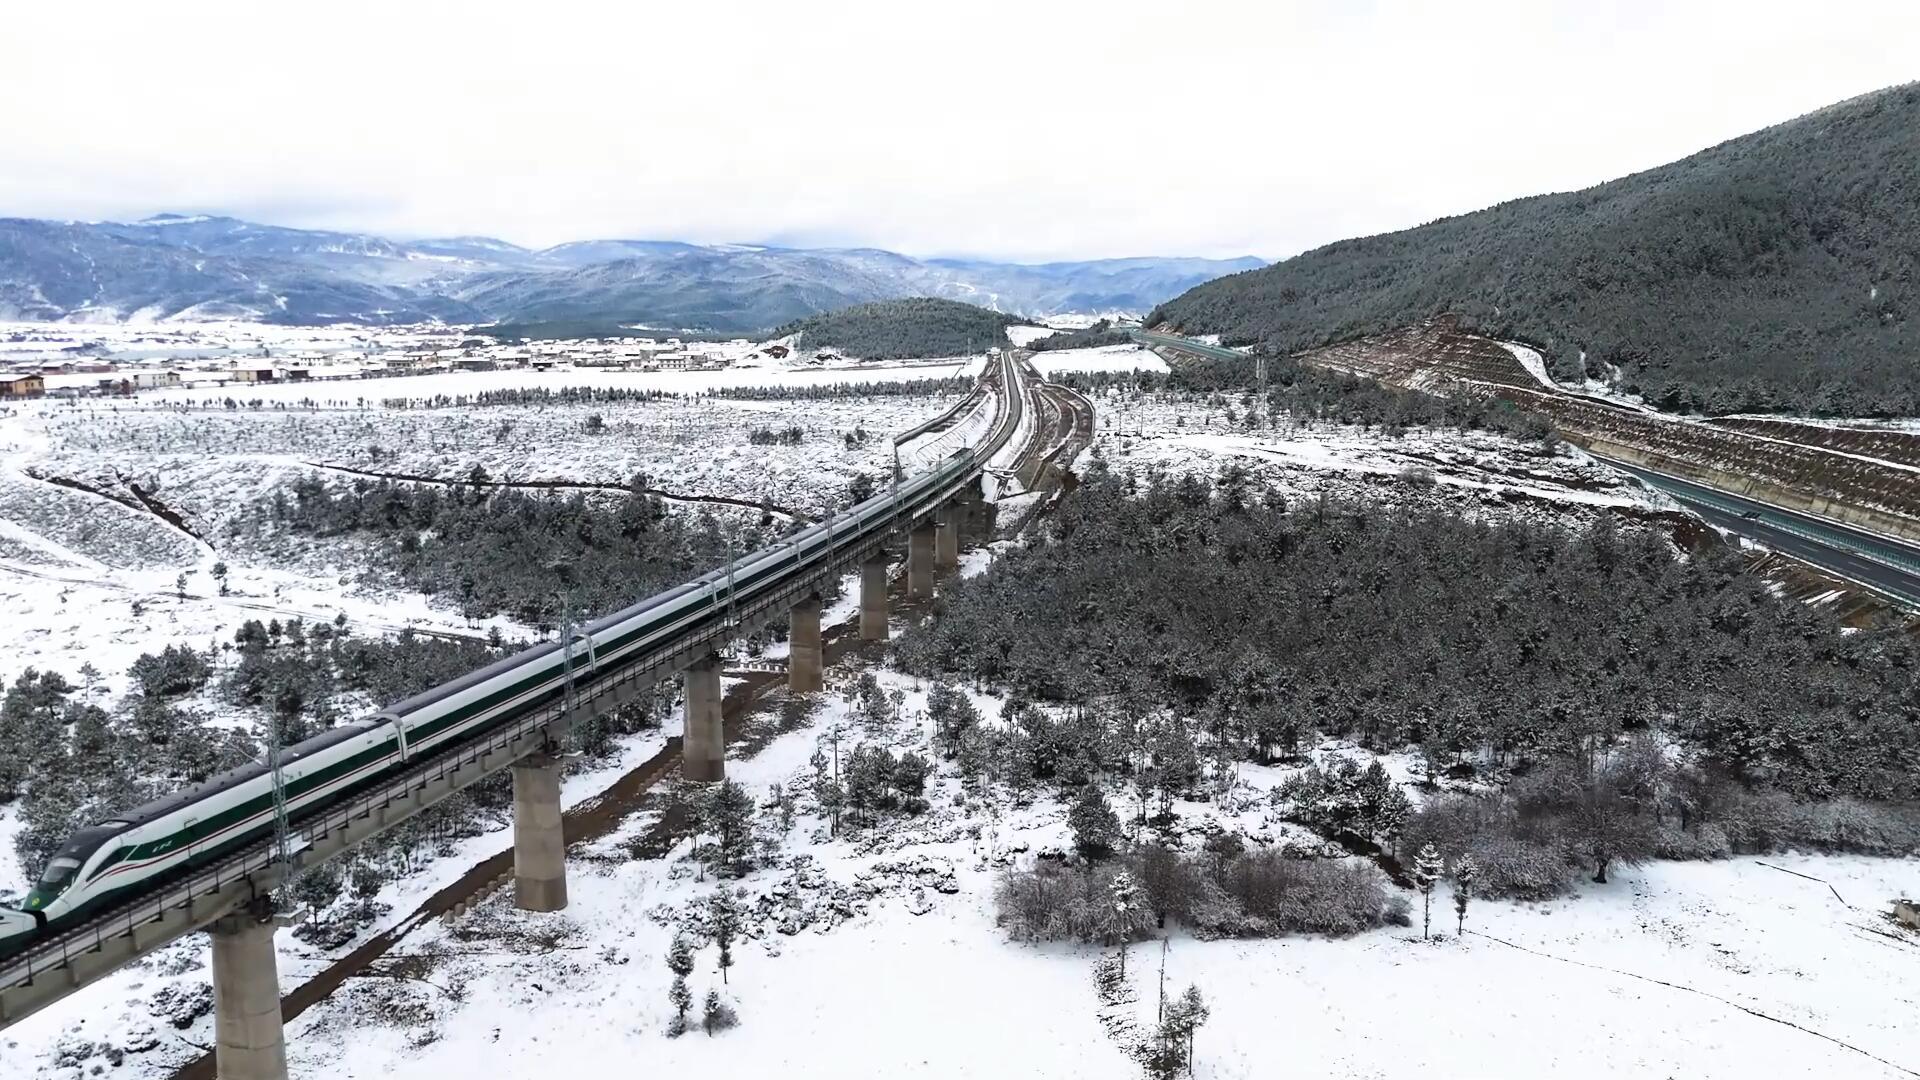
(116, 859)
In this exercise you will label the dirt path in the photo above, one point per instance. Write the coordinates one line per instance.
(140, 501)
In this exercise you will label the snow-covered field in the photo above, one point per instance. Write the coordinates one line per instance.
(354, 393)
(1146, 435)
(137, 340)
(1107, 358)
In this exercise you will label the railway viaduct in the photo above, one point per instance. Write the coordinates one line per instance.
(232, 900)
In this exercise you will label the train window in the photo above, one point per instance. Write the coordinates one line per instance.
(58, 873)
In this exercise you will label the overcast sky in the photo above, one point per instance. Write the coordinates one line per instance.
(1028, 130)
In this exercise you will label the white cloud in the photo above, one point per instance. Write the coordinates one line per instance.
(1033, 130)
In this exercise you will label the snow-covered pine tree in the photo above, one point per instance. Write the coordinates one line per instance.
(1095, 828)
(726, 926)
(1193, 1012)
(1163, 1052)
(680, 962)
(827, 790)
(1127, 912)
(1464, 873)
(1383, 806)
(682, 999)
(1428, 868)
(719, 1015)
(730, 818)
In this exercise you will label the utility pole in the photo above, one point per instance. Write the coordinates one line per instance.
(569, 693)
(1163, 982)
(282, 840)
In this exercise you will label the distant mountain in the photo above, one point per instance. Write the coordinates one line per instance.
(1098, 287)
(174, 266)
(1777, 271)
(50, 270)
(899, 329)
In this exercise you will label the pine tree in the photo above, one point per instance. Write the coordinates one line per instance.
(729, 816)
(1162, 1055)
(1095, 828)
(827, 790)
(1185, 1014)
(680, 962)
(1126, 914)
(726, 926)
(719, 1015)
(682, 1000)
(1383, 806)
(1464, 873)
(1428, 867)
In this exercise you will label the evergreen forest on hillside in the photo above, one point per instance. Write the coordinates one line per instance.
(904, 329)
(1774, 272)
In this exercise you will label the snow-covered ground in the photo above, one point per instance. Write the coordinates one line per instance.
(880, 957)
(1022, 336)
(355, 393)
(136, 340)
(1531, 359)
(1107, 358)
(1149, 434)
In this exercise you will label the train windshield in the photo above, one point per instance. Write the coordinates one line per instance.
(58, 875)
(53, 881)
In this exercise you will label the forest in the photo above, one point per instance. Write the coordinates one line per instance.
(1155, 634)
(1775, 272)
(1101, 333)
(70, 762)
(1307, 392)
(533, 556)
(904, 329)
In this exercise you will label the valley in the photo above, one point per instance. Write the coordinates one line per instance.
(815, 601)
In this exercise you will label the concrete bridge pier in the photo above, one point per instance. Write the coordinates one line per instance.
(539, 836)
(805, 653)
(946, 541)
(920, 563)
(976, 517)
(966, 517)
(703, 746)
(248, 1040)
(873, 599)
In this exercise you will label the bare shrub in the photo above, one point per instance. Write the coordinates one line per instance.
(1262, 894)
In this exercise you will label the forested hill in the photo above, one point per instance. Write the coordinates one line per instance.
(1774, 272)
(898, 329)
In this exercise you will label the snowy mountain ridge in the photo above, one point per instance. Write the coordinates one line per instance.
(188, 267)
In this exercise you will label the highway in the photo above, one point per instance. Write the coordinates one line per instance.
(1168, 341)
(1888, 567)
